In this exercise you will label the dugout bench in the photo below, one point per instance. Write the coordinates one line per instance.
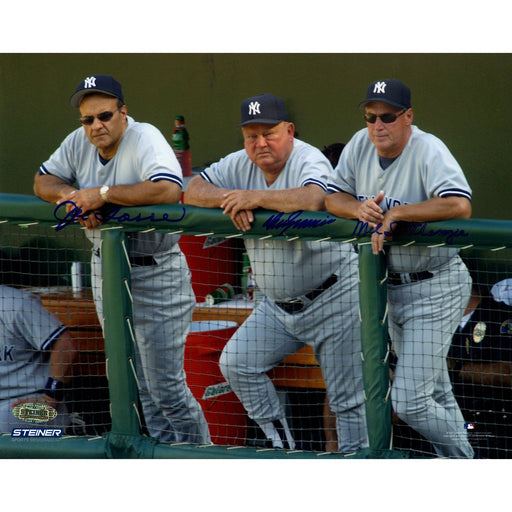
(77, 311)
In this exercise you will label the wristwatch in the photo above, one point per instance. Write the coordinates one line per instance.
(103, 192)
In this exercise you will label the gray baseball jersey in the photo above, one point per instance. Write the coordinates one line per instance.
(163, 299)
(283, 270)
(143, 154)
(424, 170)
(424, 312)
(27, 331)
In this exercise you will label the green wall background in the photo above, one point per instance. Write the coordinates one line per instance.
(461, 98)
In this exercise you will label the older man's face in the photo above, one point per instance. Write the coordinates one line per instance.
(390, 139)
(105, 135)
(268, 146)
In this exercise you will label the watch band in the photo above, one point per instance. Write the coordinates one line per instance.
(55, 389)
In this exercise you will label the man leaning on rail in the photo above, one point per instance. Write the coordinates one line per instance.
(114, 159)
(310, 288)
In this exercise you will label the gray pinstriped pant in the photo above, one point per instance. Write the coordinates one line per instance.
(163, 302)
(422, 319)
(331, 326)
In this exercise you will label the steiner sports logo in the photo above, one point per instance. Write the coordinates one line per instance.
(36, 432)
(34, 412)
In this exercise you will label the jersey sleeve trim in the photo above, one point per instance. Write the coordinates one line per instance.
(205, 176)
(167, 177)
(331, 187)
(53, 336)
(455, 192)
(312, 181)
(43, 170)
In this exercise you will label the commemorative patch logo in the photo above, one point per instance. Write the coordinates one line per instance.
(34, 412)
(479, 332)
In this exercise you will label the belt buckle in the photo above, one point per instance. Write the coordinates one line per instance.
(407, 278)
(297, 305)
(292, 306)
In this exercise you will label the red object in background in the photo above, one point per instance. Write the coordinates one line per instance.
(211, 267)
(226, 417)
(181, 146)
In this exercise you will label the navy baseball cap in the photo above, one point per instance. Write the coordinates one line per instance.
(105, 84)
(390, 91)
(264, 108)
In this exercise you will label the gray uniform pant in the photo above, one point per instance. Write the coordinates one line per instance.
(423, 317)
(331, 326)
(163, 302)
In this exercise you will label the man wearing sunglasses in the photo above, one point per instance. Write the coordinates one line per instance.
(392, 171)
(114, 159)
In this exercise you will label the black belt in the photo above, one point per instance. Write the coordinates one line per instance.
(413, 277)
(142, 261)
(297, 305)
(136, 261)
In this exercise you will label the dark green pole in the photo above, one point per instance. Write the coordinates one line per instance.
(118, 329)
(374, 339)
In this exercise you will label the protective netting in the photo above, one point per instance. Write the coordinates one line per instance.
(478, 361)
(263, 369)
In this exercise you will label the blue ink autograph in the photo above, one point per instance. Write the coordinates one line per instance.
(413, 228)
(294, 220)
(76, 214)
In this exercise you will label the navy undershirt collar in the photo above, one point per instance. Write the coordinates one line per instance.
(386, 162)
(104, 161)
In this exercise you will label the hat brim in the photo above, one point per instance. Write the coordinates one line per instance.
(263, 121)
(79, 96)
(380, 100)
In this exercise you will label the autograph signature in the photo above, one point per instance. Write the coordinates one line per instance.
(75, 214)
(294, 220)
(413, 228)
(279, 221)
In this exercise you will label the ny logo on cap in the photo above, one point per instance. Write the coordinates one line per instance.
(379, 87)
(254, 108)
(90, 82)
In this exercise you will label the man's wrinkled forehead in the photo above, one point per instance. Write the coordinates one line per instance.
(98, 100)
(262, 127)
(380, 106)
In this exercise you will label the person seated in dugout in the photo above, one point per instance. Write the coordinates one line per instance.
(37, 354)
(333, 151)
(480, 364)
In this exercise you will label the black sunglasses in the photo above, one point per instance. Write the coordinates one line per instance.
(385, 118)
(104, 117)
